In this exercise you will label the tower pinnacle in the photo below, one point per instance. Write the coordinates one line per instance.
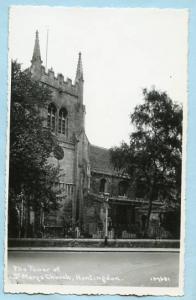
(79, 71)
(36, 52)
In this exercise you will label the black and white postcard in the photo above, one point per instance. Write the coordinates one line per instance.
(97, 110)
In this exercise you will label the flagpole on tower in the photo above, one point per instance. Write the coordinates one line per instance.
(47, 48)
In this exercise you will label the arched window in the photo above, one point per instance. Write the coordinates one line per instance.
(51, 117)
(122, 188)
(140, 190)
(62, 120)
(102, 185)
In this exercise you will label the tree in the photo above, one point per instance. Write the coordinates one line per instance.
(153, 157)
(31, 177)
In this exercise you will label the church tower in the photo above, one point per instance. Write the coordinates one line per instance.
(65, 117)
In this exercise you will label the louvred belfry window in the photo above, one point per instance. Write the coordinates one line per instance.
(62, 120)
(51, 122)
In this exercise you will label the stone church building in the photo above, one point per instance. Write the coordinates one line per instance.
(87, 175)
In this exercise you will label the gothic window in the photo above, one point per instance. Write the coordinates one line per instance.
(102, 186)
(122, 188)
(51, 122)
(62, 120)
(140, 190)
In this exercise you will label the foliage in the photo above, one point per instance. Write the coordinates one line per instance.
(153, 157)
(31, 144)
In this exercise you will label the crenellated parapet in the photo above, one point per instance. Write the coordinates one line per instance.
(58, 82)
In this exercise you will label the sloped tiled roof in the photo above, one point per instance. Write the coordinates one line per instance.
(100, 160)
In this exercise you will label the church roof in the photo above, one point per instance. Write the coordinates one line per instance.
(100, 160)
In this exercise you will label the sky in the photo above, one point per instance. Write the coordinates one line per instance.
(123, 51)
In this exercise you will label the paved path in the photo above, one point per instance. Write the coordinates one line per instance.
(94, 268)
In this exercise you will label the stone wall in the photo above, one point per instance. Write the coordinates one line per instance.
(133, 243)
(75, 110)
(66, 95)
(92, 216)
